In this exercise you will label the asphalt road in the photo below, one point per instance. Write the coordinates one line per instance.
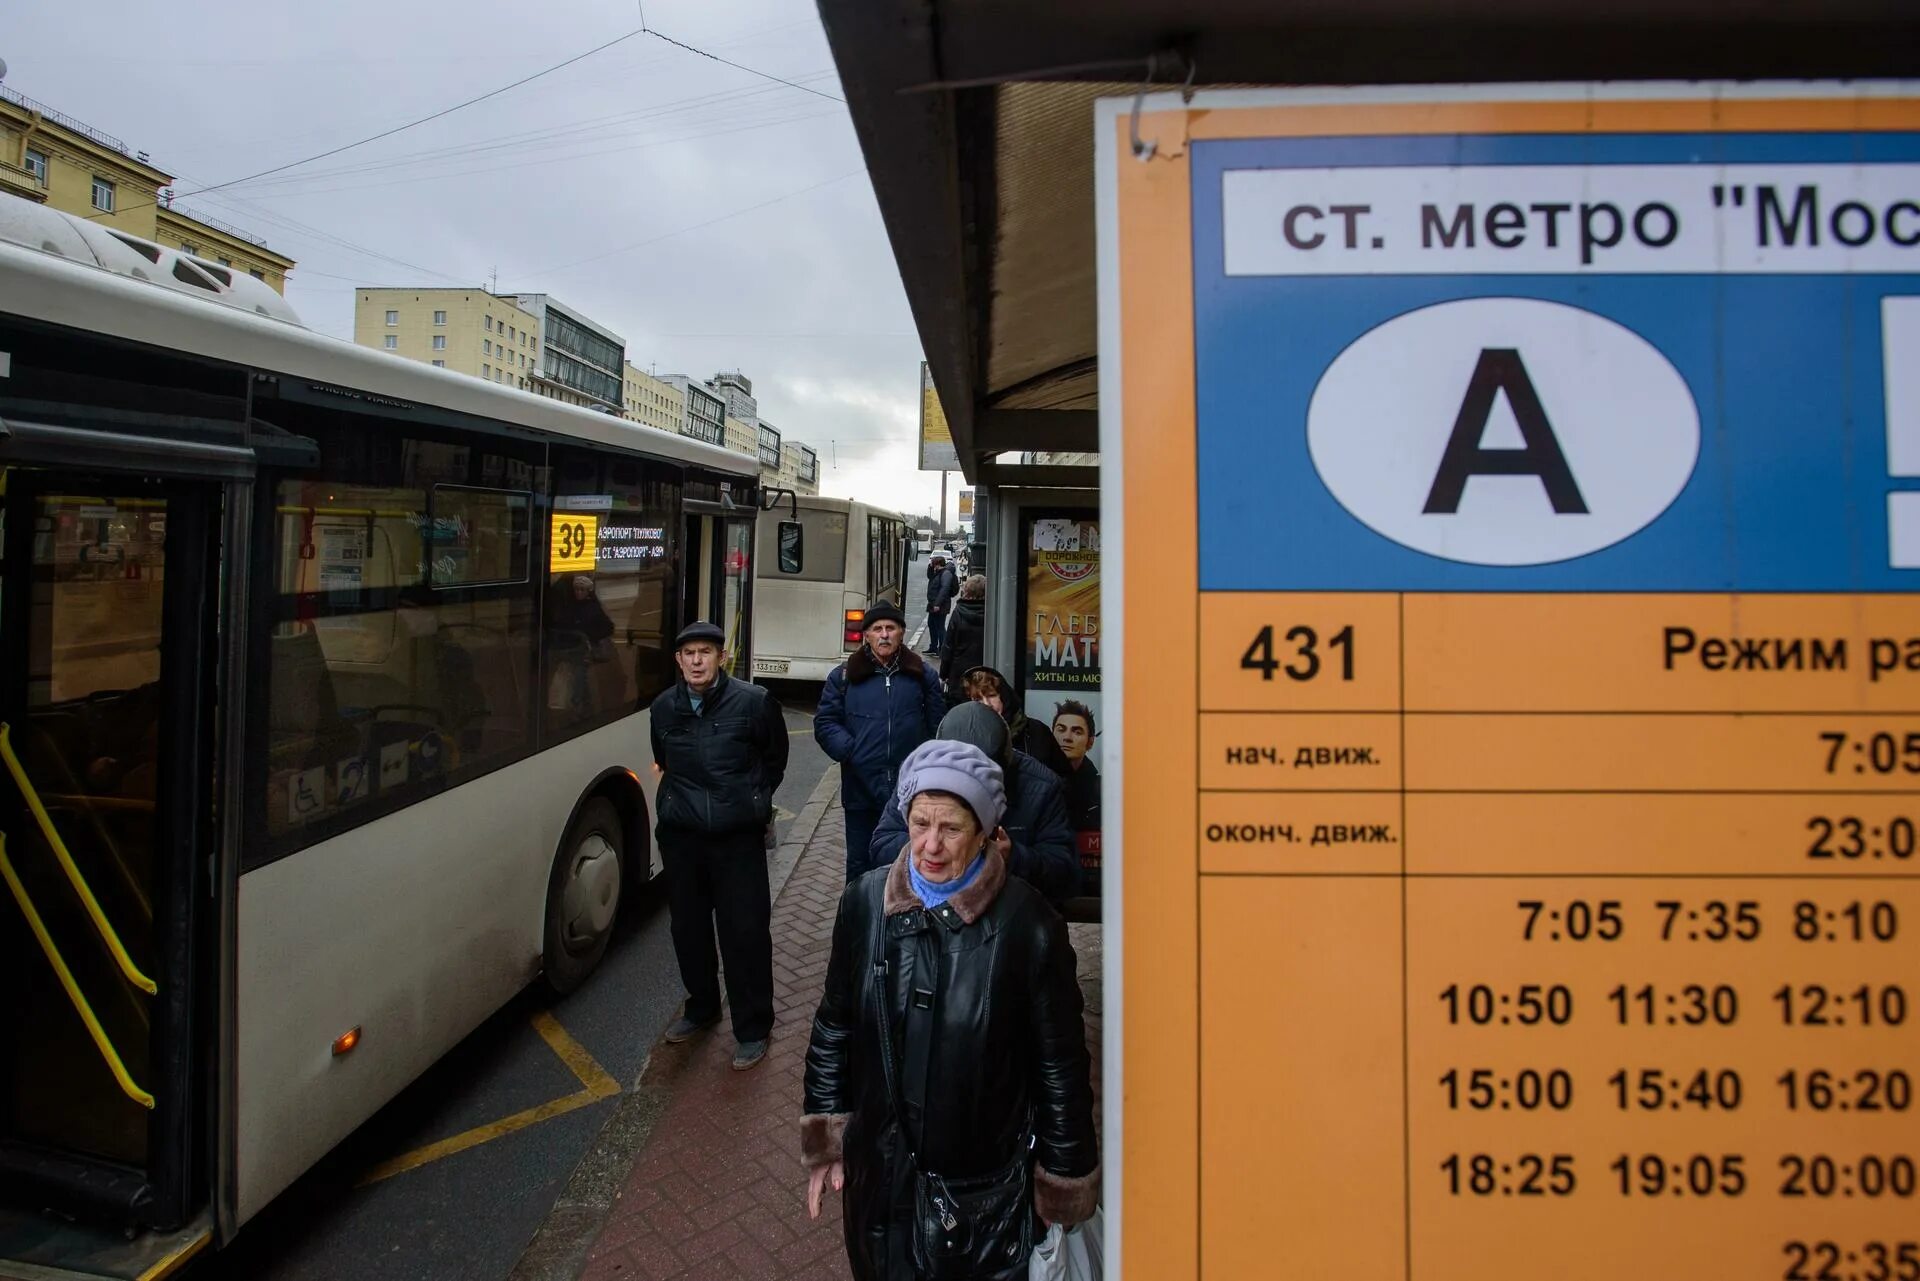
(470, 1214)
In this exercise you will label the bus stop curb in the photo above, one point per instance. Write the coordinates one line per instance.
(558, 1248)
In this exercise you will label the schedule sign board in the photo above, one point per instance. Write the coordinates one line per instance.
(1511, 559)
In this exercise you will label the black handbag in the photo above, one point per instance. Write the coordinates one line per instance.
(962, 1228)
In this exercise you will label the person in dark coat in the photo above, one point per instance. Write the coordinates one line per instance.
(721, 748)
(985, 685)
(874, 709)
(1033, 838)
(966, 638)
(990, 1037)
(942, 587)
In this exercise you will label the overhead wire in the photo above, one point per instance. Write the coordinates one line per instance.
(227, 145)
(544, 160)
(743, 67)
(241, 208)
(546, 134)
(648, 141)
(680, 231)
(401, 128)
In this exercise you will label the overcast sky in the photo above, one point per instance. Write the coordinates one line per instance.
(589, 184)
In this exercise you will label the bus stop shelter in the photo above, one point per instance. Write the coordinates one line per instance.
(976, 119)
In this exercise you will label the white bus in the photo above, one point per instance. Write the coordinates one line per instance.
(923, 540)
(323, 678)
(821, 562)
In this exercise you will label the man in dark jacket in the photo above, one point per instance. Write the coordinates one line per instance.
(874, 709)
(721, 748)
(966, 638)
(942, 587)
(1033, 838)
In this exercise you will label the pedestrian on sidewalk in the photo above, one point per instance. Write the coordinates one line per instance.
(986, 685)
(721, 748)
(966, 639)
(1033, 838)
(875, 708)
(970, 1065)
(942, 587)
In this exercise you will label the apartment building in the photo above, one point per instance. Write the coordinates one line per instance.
(581, 361)
(56, 160)
(799, 468)
(741, 438)
(706, 416)
(469, 331)
(737, 390)
(652, 401)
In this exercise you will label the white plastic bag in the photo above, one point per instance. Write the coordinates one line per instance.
(1071, 1254)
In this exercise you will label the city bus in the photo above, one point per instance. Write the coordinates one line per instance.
(821, 562)
(323, 729)
(923, 541)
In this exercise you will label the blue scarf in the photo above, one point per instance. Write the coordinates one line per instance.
(932, 893)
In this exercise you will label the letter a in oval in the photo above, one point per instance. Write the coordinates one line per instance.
(1503, 431)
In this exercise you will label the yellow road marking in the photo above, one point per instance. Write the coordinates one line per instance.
(168, 1265)
(595, 1083)
(585, 1070)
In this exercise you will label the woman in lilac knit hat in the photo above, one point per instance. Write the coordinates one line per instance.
(989, 1052)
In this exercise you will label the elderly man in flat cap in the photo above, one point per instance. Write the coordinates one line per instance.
(721, 748)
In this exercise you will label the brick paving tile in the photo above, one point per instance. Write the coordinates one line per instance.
(718, 1192)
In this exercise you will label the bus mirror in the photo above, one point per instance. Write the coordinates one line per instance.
(790, 546)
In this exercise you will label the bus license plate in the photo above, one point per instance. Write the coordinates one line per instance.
(770, 667)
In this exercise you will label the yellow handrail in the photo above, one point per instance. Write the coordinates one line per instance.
(79, 882)
(85, 1011)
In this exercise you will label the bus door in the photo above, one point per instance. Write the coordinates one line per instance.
(107, 587)
(736, 592)
(719, 582)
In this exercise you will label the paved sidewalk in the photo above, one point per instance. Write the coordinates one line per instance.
(717, 1191)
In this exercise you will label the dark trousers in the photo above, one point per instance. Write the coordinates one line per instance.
(860, 825)
(936, 631)
(719, 884)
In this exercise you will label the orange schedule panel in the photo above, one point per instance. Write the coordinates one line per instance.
(1518, 859)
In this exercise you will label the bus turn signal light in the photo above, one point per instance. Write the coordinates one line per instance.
(346, 1041)
(854, 619)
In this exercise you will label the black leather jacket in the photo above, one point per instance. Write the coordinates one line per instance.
(721, 765)
(986, 1012)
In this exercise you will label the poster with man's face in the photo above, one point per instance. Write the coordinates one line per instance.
(1060, 665)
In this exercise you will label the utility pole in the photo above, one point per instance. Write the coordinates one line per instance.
(943, 504)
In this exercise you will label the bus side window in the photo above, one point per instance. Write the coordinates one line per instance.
(404, 618)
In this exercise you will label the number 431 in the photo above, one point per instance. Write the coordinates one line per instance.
(1302, 663)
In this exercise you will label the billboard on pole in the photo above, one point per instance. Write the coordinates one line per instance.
(936, 439)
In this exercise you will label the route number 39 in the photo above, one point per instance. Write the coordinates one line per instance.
(1300, 653)
(571, 539)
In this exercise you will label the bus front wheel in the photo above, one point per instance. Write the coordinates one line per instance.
(583, 896)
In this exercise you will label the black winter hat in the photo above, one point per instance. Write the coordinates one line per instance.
(884, 611)
(700, 631)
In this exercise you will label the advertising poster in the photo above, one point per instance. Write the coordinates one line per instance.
(936, 438)
(1060, 665)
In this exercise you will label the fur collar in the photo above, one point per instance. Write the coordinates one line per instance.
(971, 903)
(861, 665)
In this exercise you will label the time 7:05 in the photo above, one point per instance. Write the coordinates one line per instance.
(1878, 753)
